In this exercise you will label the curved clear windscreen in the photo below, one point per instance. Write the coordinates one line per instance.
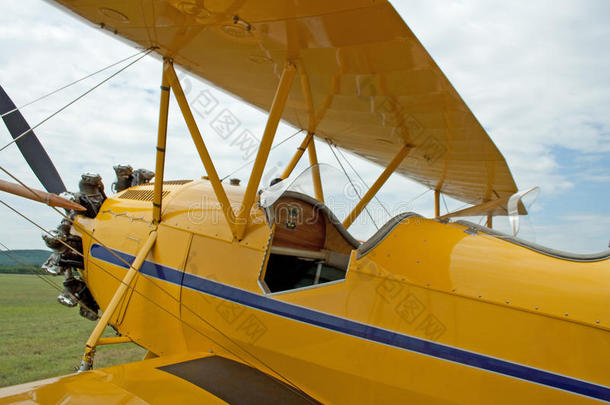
(339, 194)
(516, 217)
(519, 206)
(336, 190)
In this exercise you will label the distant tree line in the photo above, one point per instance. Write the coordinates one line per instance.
(19, 269)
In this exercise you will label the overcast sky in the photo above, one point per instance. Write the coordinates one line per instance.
(536, 75)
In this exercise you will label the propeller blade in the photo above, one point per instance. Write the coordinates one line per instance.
(30, 146)
(40, 196)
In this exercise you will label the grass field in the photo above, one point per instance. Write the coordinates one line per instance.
(39, 338)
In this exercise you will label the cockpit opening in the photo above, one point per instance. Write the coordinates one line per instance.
(309, 246)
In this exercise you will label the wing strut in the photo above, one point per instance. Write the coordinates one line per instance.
(237, 225)
(161, 143)
(437, 203)
(315, 173)
(94, 339)
(297, 155)
(383, 177)
(275, 113)
(206, 159)
(311, 128)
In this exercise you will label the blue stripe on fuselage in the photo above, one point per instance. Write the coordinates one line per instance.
(357, 329)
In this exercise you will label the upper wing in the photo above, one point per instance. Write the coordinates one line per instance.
(367, 83)
(182, 379)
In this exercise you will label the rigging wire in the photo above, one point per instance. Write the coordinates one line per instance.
(35, 193)
(42, 276)
(419, 196)
(148, 51)
(31, 130)
(66, 216)
(330, 146)
(290, 383)
(363, 182)
(27, 267)
(63, 215)
(293, 386)
(458, 208)
(71, 84)
(251, 161)
(445, 203)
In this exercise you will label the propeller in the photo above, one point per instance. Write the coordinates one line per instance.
(30, 146)
(36, 195)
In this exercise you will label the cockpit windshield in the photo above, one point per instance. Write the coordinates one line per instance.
(513, 217)
(335, 189)
(519, 206)
(338, 193)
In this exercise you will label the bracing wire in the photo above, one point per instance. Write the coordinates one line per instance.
(6, 253)
(445, 203)
(34, 192)
(71, 83)
(457, 209)
(410, 202)
(362, 180)
(31, 130)
(291, 384)
(39, 274)
(148, 51)
(330, 146)
(252, 161)
(57, 210)
(145, 53)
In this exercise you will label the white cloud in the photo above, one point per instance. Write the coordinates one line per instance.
(535, 74)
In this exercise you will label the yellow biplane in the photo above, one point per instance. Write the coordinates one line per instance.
(266, 297)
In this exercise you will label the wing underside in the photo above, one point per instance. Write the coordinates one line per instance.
(365, 82)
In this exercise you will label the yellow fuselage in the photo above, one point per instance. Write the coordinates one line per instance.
(430, 314)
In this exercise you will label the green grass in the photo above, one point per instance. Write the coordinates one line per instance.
(39, 338)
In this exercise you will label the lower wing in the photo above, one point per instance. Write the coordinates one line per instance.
(184, 379)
